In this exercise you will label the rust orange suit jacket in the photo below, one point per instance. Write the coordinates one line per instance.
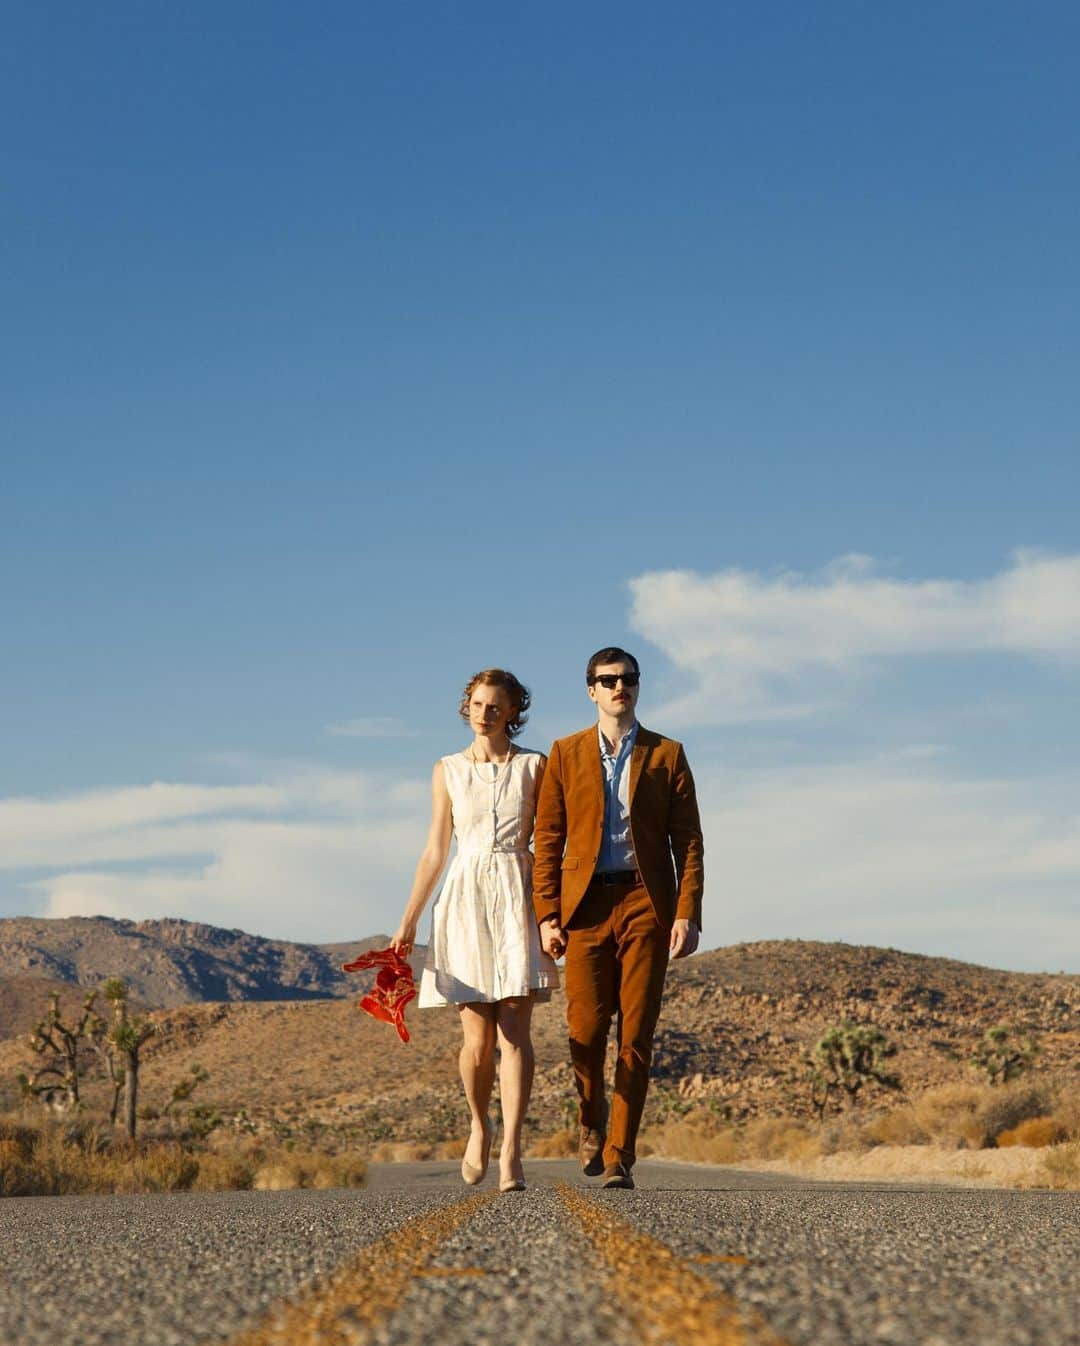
(664, 825)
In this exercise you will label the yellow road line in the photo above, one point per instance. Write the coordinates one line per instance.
(720, 1257)
(449, 1272)
(342, 1310)
(666, 1298)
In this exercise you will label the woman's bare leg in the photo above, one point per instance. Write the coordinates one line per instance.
(516, 1062)
(477, 1065)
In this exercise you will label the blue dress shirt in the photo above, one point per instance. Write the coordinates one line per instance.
(617, 845)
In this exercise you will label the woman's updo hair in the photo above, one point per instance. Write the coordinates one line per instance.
(520, 697)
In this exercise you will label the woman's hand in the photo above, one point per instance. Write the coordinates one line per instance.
(404, 938)
(553, 938)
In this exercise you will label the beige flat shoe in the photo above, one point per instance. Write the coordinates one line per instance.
(470, 1174)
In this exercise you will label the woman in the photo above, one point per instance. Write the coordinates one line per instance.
(484, 956)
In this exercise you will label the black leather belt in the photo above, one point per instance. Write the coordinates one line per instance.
(623, 878)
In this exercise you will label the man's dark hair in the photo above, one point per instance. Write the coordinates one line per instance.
(610, 654)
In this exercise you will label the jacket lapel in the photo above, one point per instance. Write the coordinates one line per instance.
(642, 744)
(589, 748)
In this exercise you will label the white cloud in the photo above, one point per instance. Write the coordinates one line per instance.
(767, 647)
(314, 854)
(61, 830)
(901, 849)
(889, 853)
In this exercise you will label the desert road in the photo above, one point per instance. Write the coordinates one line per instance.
(695, 1255)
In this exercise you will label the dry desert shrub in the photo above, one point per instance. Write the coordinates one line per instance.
(450, 1149)
(16, 1171)
(1061, 1166)
(974, 1115)
(946, 1115)
(559, 1145)
(223, 1171)
(980, 1116)
(1035, 1133)
(11, 1152)
(155, 1168)
(695, 1142)
(56, 1166)
(699, 1138)
(48, 1158)
(1005, 1109)
(340, 1170)
(900, 1126)
(780, 1138)
(281, 1176)
(402, 1151)
(288, 1170)
(1066, 1107)
(16, 1134)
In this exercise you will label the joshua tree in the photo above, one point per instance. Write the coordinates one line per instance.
(185, 1087)
(1001, 1057)
(99, 1037)
(126, 1038)
(846, 1058)
(56, 1081)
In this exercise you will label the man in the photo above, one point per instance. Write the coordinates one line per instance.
(616, 886)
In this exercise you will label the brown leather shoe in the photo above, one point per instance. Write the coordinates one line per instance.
(591, 1152)
(617, 1175)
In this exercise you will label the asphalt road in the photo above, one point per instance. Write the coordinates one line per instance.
(695, 1254)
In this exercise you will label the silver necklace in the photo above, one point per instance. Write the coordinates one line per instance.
(491, 762)
(501, 776)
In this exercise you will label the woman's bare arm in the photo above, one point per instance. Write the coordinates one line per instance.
(430, 865)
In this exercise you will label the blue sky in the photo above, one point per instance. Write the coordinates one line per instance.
(349, 350)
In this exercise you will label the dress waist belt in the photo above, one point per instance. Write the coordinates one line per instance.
(494, 850)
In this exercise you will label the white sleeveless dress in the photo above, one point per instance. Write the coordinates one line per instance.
(484, 942)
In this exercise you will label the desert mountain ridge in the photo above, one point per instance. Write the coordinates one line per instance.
(735, 1025)
(170, 962)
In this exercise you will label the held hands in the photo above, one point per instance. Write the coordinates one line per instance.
(553, 939)
(684, 939)
(403, 940)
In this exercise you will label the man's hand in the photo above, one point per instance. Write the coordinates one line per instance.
(684, 939)
(553, 938)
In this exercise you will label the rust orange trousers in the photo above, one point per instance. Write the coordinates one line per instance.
(616, 962)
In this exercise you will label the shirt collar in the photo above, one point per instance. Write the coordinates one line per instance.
(628, 741)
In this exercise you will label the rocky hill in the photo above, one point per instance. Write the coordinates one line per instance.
(23, 1001)
(739, 1019)
(735, 1024)
(172, 962)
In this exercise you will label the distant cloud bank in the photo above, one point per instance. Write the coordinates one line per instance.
(755, 645)
(311, 853)
(878, 836)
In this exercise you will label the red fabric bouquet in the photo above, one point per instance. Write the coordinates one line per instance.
(393, 989)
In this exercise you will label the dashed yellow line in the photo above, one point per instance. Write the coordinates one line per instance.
(667, 1300)
(342, 1310)
(449, 1273)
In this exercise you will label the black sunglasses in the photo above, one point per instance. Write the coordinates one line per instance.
(612, 680)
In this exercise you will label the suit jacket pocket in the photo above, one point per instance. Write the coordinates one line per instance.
(570, 862)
